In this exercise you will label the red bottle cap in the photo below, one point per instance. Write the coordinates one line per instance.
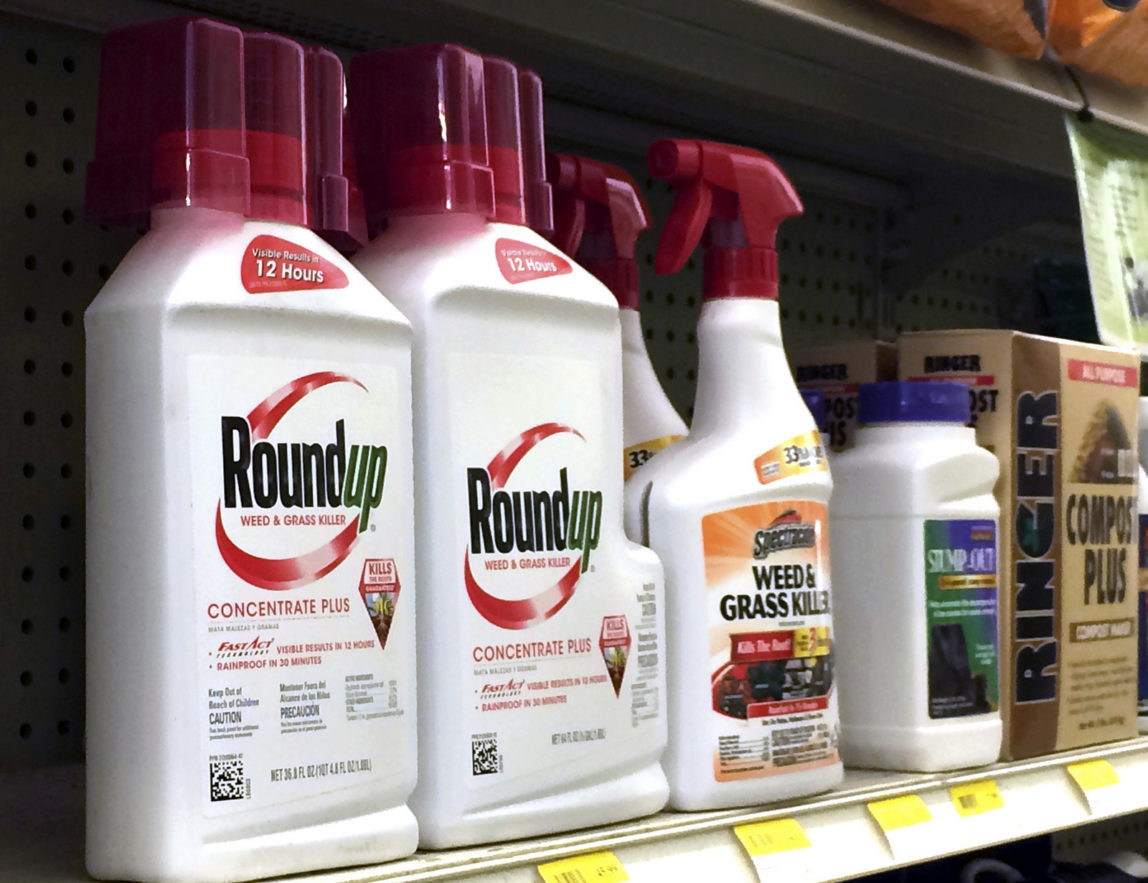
(273, 72)
(504, 138)
(737, 197)
(539, 198)
(328, 191)
(419, 128)
(598, 215)
(169, 127)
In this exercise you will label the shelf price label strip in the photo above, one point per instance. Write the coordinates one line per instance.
(779, 849)
(1100, 785)
(597, 867)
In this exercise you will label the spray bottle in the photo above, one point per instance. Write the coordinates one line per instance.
(598, 216)
(737, 510)
(235, 662)
(541, 714)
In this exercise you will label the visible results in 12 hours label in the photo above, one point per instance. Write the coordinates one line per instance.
(298, 527)
(274, 264)
(772, 703)
(961, 616)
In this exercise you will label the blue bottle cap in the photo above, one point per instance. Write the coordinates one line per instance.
(906, 402)
(815, 402)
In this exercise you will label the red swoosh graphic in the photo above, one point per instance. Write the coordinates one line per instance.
(528, 611)
(505, 460)
(285, 573)
(270, 411)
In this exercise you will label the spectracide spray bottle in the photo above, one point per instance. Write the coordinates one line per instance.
(737, 510)
(598, 216)
(250, 560)
(540, 624)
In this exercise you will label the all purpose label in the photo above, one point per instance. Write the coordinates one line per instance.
(561, 651)
(302, 545)
(961, 616)
(774, 709)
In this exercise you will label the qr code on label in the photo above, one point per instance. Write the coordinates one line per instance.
(484, 756)
(227, 780)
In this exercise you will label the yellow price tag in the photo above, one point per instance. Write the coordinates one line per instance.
(976, 797)
(766, 838)
(899, 812)
(598, 867)
(1093, 774)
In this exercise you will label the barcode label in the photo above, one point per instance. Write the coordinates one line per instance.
(968, 801)
(484, 757)
(227, 780)
(976, 798)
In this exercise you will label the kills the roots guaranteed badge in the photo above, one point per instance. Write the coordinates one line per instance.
(614, 642)
(379, 588)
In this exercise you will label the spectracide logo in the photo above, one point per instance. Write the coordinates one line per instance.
(313, 474)
(787, 531)
(503, 522)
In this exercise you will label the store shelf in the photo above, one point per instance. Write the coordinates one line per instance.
(42, 811)
(851, 81)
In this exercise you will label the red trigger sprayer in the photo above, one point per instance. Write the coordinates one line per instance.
(598, 215)
(741, 500)
(738, 198)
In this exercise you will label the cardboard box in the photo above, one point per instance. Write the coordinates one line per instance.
(838, 370)
(1061, 417)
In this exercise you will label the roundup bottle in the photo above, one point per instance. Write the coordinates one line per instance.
(737, 511)
(250, 566)
(540, 624)
(915, 548)
(599, 216)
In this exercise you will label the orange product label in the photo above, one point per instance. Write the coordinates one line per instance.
(772, 705)
(635, 455)
(802, 453)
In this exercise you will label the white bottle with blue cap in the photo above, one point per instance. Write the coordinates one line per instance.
(914, 561)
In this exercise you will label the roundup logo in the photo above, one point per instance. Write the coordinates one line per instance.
(530, 522)
(260, 474)
(787, 531)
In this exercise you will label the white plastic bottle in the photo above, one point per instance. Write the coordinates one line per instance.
(1142, 604)
(914, 525)
(540, 625)
(599, 214)
(250, 561)
(738, 510)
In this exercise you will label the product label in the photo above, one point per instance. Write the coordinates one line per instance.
(302, 518)
(767, 580)
(802, 453)
(635, 455)
(523, 262)
(273, 264)
(1142, 608)
(961, 616)
(560, 651)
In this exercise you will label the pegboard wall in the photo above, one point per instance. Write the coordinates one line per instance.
(54, 263)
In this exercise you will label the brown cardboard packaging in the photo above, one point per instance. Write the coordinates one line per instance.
(838, 370)
(1061, 417)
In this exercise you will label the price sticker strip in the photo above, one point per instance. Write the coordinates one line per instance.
(778, 848)
(1100, 786)
(597, 867)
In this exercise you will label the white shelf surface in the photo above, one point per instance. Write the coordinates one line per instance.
(41, 821)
